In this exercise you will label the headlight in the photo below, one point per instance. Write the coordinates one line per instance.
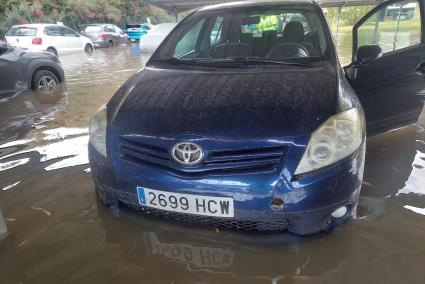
(334, 140)
(97, 129)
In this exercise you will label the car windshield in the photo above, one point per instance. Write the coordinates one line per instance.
(92, 29)
(22, 31)
(135, 27)
(279, 33)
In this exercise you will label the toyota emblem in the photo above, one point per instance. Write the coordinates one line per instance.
(187, 153)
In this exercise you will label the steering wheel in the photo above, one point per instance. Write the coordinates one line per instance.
(290, 49)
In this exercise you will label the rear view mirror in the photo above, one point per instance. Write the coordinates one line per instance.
(251, 20)
(367, 53)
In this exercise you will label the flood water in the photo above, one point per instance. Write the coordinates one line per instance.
(59, 233)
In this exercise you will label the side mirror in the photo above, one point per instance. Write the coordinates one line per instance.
(367, 53)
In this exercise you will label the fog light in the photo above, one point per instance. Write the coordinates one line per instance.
(340, 212)
(277, 204)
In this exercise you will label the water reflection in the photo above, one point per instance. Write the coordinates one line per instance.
(143, 247)
(27, 111)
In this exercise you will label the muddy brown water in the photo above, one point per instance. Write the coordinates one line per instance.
(59, 233)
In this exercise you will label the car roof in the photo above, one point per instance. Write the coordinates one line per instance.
(35, 25)
(254, 3)
(104, 24)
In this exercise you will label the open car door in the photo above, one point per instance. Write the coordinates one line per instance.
(388, 64)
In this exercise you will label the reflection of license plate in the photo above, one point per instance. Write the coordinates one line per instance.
(132, 40)
(186, 203)
(199, 256)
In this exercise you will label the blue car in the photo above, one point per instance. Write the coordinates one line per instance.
(254, 130)
(135, 32)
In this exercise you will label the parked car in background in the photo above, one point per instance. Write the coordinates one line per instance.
(155, 36)
(54, 38)
(137, 31)
(104, 35)
(22, 70)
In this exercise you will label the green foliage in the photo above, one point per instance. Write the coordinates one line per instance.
(75, 13)
(348, 16)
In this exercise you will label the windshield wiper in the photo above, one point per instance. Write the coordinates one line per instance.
(201, 62)
(229, 62)
(171, 60)
(268, 61)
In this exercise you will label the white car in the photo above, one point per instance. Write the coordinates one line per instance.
(149, 42)
(54, 38)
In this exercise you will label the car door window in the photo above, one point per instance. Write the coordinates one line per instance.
(188, 42)
(109, 29)
(92, 29)
(118, 30)
(68, 32)
(22, 31)
(52, 31)
(393, 27)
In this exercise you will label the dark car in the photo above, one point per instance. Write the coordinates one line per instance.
(236, 124)
(21, 71)
(104, 35)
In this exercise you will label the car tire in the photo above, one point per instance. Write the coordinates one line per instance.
(52, 50)
(105, 197)
(46, 85)
(88, 48)
(110, 44)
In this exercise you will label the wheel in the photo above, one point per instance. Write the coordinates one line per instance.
(110, 44)
(105, 197)
(52, 50)
(45, 83)
(88, 48)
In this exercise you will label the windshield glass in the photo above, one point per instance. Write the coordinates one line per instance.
(22, 31)
(286, 32)
(92, 29)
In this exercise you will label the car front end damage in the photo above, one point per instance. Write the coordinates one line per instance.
(259, 176)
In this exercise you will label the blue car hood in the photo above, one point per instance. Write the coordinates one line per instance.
(229, 103)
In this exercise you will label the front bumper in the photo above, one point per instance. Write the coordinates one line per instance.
(309, 201)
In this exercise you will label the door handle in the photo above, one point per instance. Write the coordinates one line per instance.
(421, 68)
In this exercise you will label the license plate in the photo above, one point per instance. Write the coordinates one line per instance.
(186, 203)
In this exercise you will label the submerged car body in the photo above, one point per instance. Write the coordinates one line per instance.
(237, 126)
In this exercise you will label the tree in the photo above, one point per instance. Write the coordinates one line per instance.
(76, 13)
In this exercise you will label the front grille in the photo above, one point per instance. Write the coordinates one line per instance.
(254, 159)
(233, 224)
(141, 151)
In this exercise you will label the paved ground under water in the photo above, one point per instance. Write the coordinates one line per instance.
(59, 233)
